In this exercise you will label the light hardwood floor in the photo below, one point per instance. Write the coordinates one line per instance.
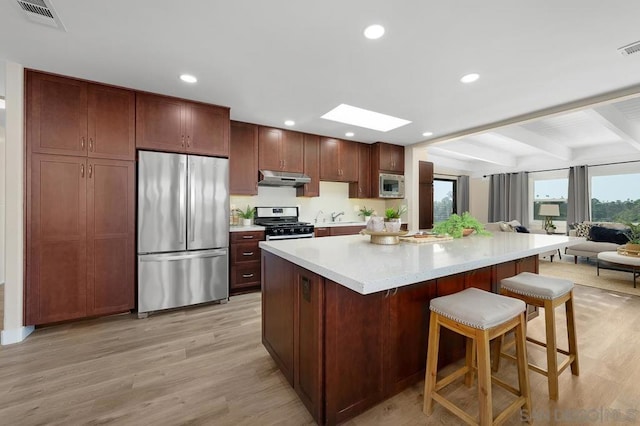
(206, 366)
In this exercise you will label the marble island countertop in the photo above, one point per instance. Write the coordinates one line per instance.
(368, 268)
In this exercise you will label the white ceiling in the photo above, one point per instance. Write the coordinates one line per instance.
(290, 59)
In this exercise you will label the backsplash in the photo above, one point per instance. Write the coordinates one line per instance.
(334, 197)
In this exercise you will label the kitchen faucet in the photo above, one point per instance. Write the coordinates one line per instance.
(319, 213)
(335, 215)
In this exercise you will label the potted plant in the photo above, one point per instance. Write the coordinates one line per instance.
(365, 213)
(458, 226)
(633, 234)
(392, 218)
(246, 215)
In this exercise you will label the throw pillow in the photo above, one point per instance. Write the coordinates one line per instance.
(582, 229)
(521, 229)
(505, 227)
(607, 235)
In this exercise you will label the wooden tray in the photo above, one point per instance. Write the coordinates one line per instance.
(422, 239)
(626, 252)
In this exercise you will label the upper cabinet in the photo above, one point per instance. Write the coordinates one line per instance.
(388, 158)
(338, 160)
(280, 150)
(72, 117)
(311, 167)
(175, 125)
(362, 188)
(243, 159)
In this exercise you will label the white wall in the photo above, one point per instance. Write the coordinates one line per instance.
(14, 330)
(479, 198)
(334, 197)
(2, 201)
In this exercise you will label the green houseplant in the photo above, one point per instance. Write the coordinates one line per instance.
(456, 225)
(365, 213)
(633, 234)
(392, 216)
(246, 215)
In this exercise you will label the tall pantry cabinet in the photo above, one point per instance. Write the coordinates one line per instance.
(80, 199)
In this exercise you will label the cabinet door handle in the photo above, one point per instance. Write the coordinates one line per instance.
(247, 253)
(247, 237)
(182, 140)
(188, 140)
(82, 170)
(91, 144)
(247, 275)
(90, 170)
(82, 143)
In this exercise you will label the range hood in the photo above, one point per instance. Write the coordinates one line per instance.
(273, 178)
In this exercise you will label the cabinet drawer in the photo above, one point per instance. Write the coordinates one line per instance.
(245, 275)
(243, 237)
(245, 252)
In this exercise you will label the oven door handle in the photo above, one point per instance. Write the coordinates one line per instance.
(288, 237)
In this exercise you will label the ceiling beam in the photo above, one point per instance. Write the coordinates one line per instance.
(475, 152)
(542, 143)
(448, 162)
(610, 117)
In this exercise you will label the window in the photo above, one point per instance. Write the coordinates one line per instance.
(444, 199)
(614, 197)
(549, 188)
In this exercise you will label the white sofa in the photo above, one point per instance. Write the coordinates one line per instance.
(589, 248)
(509, 227)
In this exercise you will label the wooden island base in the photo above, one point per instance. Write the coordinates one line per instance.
(344, 352)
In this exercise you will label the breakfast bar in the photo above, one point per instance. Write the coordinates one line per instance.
(347, 321)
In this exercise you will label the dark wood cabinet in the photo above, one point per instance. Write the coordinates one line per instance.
(66, 116)
(170, 124)
(338, 160)
(280, 150)
(110, 236)
(333, 231)
(244, 261)
(388, 158)
(425, 195)
(80, 238)
(243, 159)
(362, 188)
(311, 167)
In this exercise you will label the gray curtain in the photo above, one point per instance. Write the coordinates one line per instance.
(578, 204)
(509, 197)
(462, 202)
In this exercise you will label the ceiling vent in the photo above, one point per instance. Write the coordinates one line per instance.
(42, 12)
(630, 49)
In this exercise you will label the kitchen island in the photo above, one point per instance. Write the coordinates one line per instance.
(347, 321)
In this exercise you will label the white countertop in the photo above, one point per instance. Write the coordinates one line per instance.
(334, 224)
(241, 228)
(368, 268)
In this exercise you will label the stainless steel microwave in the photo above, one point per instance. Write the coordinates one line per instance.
(391, 186)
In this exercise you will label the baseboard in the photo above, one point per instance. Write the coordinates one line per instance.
(16, 335)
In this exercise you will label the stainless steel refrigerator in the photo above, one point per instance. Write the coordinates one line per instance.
(183, 230)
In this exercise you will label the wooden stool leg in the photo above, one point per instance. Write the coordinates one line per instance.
(523, 366)
(571, 330)
(484, 378)
(552, 355)
(432, 363)
(497, 349)
(470, 361)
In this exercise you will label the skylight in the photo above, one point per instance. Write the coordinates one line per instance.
(355, 116)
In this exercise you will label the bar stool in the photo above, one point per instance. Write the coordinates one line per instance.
(480, 316)
(548, 293)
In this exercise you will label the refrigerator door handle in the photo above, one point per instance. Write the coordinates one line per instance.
(183, 198)
(182, 256)
(192, 201)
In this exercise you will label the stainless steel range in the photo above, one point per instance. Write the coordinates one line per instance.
(282, 223)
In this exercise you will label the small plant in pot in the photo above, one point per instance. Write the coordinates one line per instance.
(366, 213)
(460, 225)
(633, 234)
(392, 220)
(246, 215)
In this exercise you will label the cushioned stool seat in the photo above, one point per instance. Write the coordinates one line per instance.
(548, 293)
(480, 316)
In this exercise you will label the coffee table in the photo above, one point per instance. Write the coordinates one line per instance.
(618, 262)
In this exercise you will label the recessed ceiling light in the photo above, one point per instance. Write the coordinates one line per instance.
(427, 134)
(355, 116)
(2, 104)
(289, 123)
(470, 78)
(188, 78)
(349, 134)
(374, 32)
